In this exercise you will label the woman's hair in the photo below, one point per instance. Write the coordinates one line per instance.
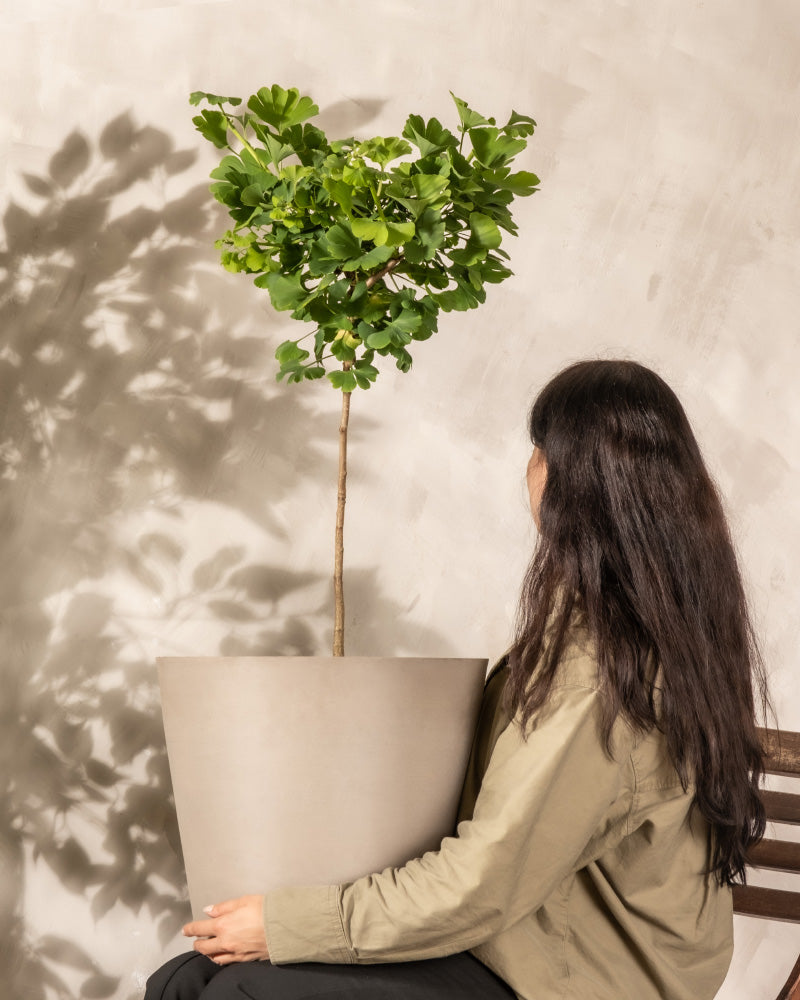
(633, 536)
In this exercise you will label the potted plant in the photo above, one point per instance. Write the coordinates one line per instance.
(364, 242)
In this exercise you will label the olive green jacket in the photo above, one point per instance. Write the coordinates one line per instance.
(572, 874)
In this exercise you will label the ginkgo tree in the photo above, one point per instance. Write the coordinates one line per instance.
(362, 240)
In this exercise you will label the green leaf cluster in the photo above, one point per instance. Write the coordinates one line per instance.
(364, 241)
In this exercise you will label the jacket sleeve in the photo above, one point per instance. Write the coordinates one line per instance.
(542, 803)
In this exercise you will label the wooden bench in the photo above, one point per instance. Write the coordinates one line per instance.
(783, 757)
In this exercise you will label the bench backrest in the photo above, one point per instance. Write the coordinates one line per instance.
(782, 757)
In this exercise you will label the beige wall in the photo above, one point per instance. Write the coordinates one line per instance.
(162, 494)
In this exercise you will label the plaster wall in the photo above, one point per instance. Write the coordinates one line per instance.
(162, 495)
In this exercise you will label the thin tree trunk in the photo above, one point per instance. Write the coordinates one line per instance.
(341, 498)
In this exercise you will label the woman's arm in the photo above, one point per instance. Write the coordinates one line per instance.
(543, 803)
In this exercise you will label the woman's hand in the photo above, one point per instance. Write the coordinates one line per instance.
(234, 932)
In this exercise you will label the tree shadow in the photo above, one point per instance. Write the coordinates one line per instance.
(132, 396)
(382, 626)
(346, 117)
(123, 396)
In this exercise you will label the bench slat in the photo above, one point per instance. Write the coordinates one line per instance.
(783, 751)
(775, 904)
(781, 855)
(782, 807)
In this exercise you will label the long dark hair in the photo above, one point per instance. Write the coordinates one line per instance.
(634, 538)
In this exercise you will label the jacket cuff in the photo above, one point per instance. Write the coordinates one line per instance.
(305, 925)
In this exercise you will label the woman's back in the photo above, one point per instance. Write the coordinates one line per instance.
(634, 916)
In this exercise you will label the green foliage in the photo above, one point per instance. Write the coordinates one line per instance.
(363, 240)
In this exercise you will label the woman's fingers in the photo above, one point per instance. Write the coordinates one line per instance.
(200, 928)
(234, 931)
(227, 906)
(209, 946)
(205, 928)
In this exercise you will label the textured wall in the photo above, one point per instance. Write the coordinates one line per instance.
(161, 494)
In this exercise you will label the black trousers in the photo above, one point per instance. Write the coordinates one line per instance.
(194, 977)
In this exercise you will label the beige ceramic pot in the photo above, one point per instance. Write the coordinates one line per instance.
(313, 770)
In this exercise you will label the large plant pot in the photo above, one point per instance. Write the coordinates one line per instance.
(312, 770)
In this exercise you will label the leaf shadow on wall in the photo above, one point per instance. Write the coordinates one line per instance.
(124, 399)
(121, 395)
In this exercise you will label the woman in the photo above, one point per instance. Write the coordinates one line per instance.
(611, 794)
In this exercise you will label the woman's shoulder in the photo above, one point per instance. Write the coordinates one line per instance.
(577, 665)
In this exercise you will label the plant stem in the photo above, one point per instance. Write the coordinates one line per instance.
(341, 495)
(240, 136)
(341, 498)
(393, 263)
